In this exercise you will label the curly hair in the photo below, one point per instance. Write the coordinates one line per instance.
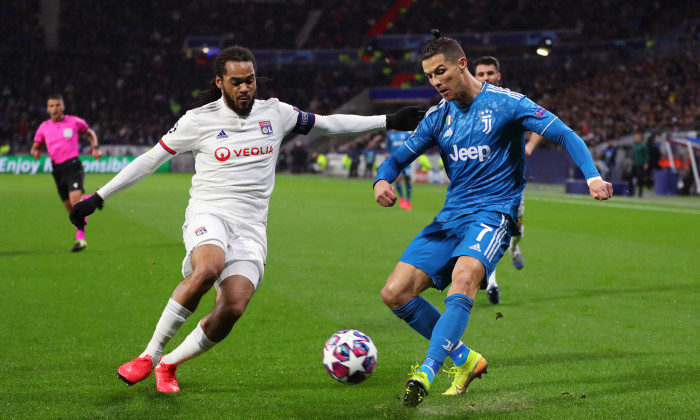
(233, 53)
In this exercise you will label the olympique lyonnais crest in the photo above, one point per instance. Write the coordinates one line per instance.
(266, 127)
(200, 231)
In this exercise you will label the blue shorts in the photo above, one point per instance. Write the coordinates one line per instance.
(484, 235)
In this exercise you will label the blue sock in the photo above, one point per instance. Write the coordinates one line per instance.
(420, 315)
(460, 354)
(399, 190)
(450, 327)
(409, 188)
(430, 367)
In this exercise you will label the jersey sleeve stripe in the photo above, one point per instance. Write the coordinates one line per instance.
(167, 149)
(550, 123)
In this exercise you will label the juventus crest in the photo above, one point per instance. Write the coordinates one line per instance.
(486, 116)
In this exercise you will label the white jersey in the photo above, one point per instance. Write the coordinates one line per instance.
(235, 156)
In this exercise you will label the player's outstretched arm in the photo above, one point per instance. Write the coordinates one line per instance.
(384, 193)
(135, 171)
(84, 208)
(600, 190)
(404, 119)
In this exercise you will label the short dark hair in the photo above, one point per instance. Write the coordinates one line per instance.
(450, 48)
(54, 96)
(487, 60)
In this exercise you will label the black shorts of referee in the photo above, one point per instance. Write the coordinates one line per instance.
(69, 176)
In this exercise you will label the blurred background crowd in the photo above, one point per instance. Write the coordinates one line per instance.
(124, 66)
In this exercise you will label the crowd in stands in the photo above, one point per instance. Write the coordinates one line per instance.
(120, 64)
(604, 20)
(603, 102)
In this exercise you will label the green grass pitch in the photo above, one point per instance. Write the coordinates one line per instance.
(603, 321)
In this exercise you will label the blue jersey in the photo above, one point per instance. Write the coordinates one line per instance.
(395, 139)
(482, 145)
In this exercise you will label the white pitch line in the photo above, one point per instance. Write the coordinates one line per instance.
(613, 204)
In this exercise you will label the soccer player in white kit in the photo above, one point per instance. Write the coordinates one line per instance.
(235, 139)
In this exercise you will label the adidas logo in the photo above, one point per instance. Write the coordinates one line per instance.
(475, 247)
(448, 132)
(222, 135)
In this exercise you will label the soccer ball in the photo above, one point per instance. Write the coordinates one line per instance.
(349, 356)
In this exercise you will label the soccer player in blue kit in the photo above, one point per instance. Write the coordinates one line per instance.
(487, 69)
(479, 130)
(394, 140)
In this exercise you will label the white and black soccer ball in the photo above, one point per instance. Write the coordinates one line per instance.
(349, 356)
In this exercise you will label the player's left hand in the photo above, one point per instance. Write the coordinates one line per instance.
(384, 193)
(405, 119)
(529, 148)
(601, 190)
(96, 153)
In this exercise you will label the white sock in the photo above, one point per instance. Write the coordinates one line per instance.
(515, 239)
(195, 344)
(492, 280)
(174, 315)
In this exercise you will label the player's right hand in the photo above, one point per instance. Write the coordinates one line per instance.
(84, 208)
(601, 190)
(384, 193)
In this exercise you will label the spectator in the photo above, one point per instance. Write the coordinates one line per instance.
(609, 158)
(654, 158)
(299, 158)
(355, 153)
(370, 156)
(640, 164)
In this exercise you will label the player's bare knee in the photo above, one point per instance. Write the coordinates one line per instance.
(387, 297)
(392, 297)
(231, 311)
(466, 282)
(205, 276)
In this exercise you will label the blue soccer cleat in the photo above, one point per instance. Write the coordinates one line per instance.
(494, 295)
(516, 257)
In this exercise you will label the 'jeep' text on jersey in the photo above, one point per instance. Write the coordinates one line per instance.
(482, 145)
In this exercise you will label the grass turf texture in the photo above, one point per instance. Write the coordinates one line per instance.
(601, 323)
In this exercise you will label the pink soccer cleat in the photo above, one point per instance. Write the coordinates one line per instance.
(136, 370)
(165, 378)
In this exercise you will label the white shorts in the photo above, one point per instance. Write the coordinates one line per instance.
(243, 242)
